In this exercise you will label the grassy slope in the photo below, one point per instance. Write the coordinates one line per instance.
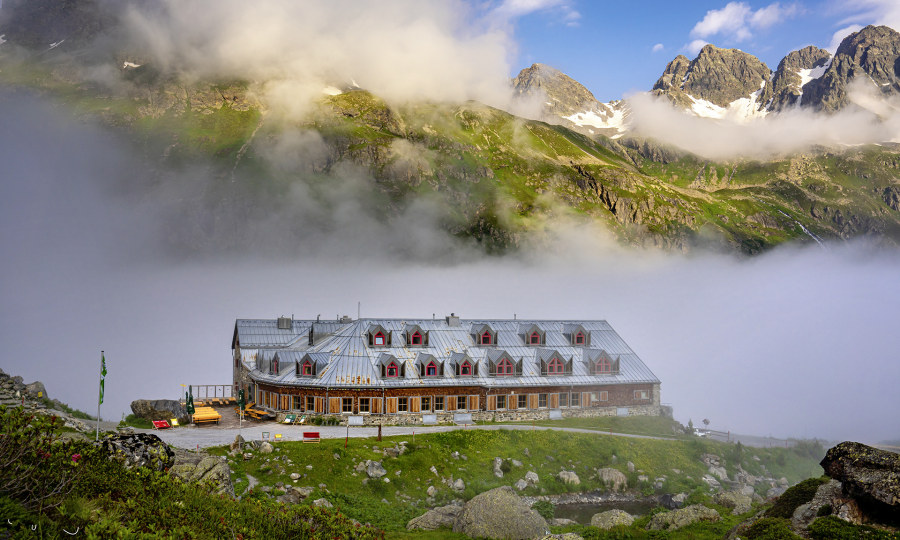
(549, 452)
(501, 175)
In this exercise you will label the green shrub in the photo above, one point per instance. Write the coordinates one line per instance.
(770, 528)
(506, 466)
(824, 510)
(544, 508)
(802, 493)
(138, 422)
(834, 528)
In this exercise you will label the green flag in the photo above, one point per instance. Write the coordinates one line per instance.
(102, 375)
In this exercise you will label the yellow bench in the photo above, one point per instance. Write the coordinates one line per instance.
(206, 414)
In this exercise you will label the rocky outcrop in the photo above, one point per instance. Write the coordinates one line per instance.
(442, 516)
(872, 53)
(569, 478)
(868, 475)
(374, 469)
(160, 409)
(204, 469)
(685, 516)
(828, 499)
(500, 513)
(611, 518)
(139, 450)
(564, 95)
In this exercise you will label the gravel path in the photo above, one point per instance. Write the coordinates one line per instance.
(208, 435)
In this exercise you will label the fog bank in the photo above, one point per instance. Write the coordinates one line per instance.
(798, 342)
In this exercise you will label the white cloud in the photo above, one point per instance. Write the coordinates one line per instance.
(513, 9)
(864, 12)
(658, 47)
(694, 47)
(738, 21)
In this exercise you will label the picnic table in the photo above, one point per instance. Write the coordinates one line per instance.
(206, 414)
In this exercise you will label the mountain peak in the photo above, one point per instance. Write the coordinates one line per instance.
(564, 95)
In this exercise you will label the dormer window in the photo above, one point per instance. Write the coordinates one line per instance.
(465, 368)
(505, 368)
(392, 370)
(486, 338)
(534, 339)
(378, 339)
(579, 338)
(415, 338)
(431, 370)
(603, 365)
(555, 367)
(307, 368)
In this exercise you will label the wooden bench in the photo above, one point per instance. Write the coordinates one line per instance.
(206, 414)
(311, 436)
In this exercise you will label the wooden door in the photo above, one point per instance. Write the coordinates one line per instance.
(415, 404)
(492, 403)
(473, 403)
(554, 401)
(391, 405)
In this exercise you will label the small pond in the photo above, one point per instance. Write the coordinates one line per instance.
(582, 512)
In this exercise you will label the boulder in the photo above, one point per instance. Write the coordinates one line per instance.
(443, 516)
(738, 501)
(36, 388)
(203, 468)
(322, 503)
(431, 491)
(160, 409)
(521, 484)
(719, 472)
(266, 448)
(375, 470)
(569, 478)
(868, 475)
(459, 485)
(613, 478)
(531, 477)
(139, 450)
(828, 495)
(685, 516)
(500, 513)
(498, 463)
(611, 518)
(630, 466)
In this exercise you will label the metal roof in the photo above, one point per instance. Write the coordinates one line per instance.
(352, 363)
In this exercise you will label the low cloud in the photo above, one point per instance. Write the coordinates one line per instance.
(870, 119)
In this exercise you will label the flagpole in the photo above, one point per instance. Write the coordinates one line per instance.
(99, 399)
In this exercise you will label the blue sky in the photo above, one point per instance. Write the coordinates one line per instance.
(614, 48)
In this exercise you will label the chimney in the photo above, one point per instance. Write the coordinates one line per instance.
(285, 323)
(346, 319)
(453, 320)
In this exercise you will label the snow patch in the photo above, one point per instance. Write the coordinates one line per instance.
(608, 119)
(807, 75)
(332, 91)
(740, 110)
(127, 65)
(57, 44)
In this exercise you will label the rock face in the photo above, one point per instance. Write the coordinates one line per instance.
(203, 468)
(868, 475)
(787, 83)
(139, 450)
(828, 495)
(564, 95)
(160, 409)
(443, 516)
(685, 516)
(719, 76)
(611, 518)
(872, 53)
(499, 513)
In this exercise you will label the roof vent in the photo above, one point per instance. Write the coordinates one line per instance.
(346, 319)
(285, 323)
(453, 320)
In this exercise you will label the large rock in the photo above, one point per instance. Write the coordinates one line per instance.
(374, 469)
(868, 475)
(613, 478)
(203, 468)
(498, 464)
(139, 450)
(735, 499)
(500, 513)
(570, 478)
(160, 409)
(685, 516)
(443, 516)
(36, 389)
(829, 496)
(611, 518)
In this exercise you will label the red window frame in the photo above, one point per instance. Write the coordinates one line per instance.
(275, 366)
(579, 338)
(486, 338)
(415, 338)
(555, 366)
(431, 369)
(375, 339)
(534, 339)
(392, 367)
(307, 368)
(603, 365)
(465, 368)
(505, 368)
